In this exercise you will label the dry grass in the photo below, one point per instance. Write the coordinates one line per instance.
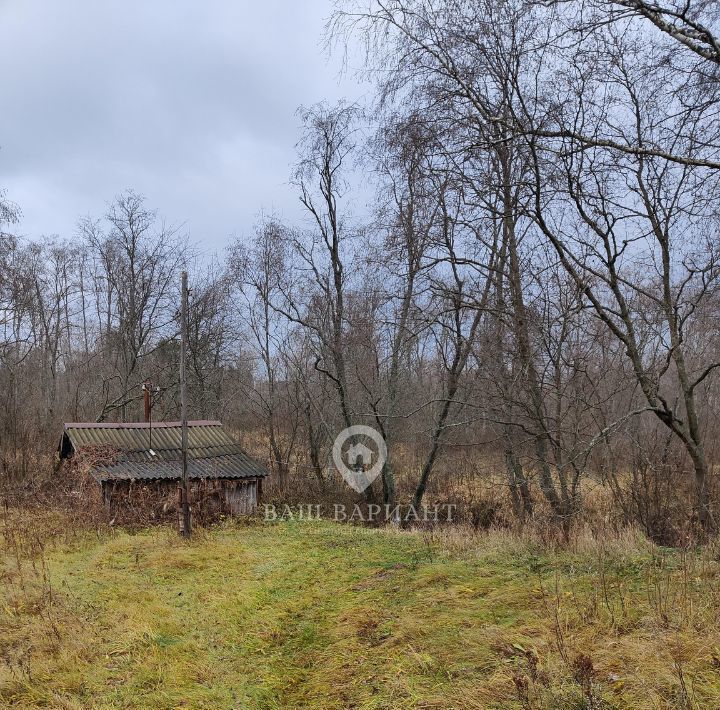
(323, 615)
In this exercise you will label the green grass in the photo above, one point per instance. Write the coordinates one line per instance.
(323, 615)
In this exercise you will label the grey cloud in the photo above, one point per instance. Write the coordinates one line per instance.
(192, 104)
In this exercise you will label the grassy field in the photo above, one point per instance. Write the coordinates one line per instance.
(323, 615)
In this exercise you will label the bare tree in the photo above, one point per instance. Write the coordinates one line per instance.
(136, 261)
(409, 214)
(260, 272)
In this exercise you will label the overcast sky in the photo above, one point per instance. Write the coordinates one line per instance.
(190, 103)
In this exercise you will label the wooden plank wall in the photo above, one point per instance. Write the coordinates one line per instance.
(241, 497)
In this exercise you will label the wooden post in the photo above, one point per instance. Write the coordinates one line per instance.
(185, 524)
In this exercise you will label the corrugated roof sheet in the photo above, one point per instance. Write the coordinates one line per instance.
(145, 454)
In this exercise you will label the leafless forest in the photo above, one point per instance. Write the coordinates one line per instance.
(509, 266)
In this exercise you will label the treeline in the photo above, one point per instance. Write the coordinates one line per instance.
(536, 282)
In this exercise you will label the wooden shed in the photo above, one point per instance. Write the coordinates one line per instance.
(148, 456)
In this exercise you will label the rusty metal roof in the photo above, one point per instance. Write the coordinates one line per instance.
(145, 453)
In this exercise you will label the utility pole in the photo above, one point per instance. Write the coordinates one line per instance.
(185, 525)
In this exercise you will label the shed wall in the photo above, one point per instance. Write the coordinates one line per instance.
(241, 497)
(160, 498)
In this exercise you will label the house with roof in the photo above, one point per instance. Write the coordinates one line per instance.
(147, 456)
